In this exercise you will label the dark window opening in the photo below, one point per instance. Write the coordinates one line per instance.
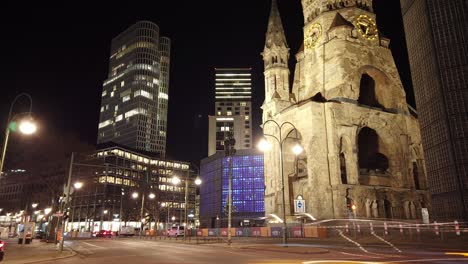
(416, 176)
(388, 209)
(367, 92)
(344, 177)
(369, 156)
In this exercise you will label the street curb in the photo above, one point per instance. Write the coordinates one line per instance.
(321, 251)
(73, 253)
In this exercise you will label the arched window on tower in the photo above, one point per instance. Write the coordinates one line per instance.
(367, 94)
(369, 154)
(387, 209)
(344, 176)
(416, 176)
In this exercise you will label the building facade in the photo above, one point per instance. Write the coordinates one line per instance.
(348, 111)
(106, 200)
(437, 40)
(135, 95)
(233, 88)
(247, 189)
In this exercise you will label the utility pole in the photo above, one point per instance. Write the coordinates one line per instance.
(230, 151)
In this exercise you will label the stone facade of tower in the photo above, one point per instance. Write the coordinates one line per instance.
(361, 141)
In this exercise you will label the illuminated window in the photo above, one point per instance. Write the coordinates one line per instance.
(112, 94)
(247, 117)
(104, 93)
(116, 108)
(125, 98)
(118, 118)
(105, 123)
(122, 83)
(143, 93)
(229, 113)
(102, 108)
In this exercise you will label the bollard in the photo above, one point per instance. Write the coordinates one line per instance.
(457, 228)
(371, 228)
(385, 228)
(401, 229)
(359, 228)
(436, 228)
(347, 229)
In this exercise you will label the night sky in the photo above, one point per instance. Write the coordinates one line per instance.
(59, 54)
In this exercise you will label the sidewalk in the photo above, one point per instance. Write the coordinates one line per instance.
(35, 252)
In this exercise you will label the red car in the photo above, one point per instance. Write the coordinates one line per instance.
(104, 233)
(2, 253)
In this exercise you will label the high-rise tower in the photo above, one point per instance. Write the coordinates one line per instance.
(233, 109)
(135, 95)
(437, 40)
(348, 111)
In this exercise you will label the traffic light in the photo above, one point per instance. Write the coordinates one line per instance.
(66, 214)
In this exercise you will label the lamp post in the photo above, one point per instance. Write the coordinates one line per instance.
(297, 149)
(26, 126)
(197, 182)
(77, 185)
(135, 196)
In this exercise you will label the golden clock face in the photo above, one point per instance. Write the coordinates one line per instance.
(312, 36)
(367, 27)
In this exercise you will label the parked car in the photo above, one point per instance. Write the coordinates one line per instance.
(176, 231)
(127, 231)
(2, 253)
(104, 233)
(40, 234)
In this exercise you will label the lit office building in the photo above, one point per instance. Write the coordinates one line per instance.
(247, 189)
(110, 178)
(135, 95)
(232, 109)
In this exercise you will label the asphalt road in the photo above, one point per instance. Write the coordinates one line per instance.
(134, 251)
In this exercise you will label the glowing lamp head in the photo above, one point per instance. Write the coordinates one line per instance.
(264, 145)
(152, 195)
(105, 211)
(34, 205)
(353, 207)
(27, 127)
(135, 195)
(175, 180)
(163, 204)
(297, 149)
(47, 211)
(78, 185)
(198, 181)
(173, 218)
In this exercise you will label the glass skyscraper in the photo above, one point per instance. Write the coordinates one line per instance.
(437, 40)
(135, 95)
(248, 188)
(233, 108)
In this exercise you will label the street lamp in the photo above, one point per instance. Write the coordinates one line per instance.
(78, 185)
(197, 181)
(134, 195)
(26, 126)
(264, 145)
(47, 210)
(34, 205)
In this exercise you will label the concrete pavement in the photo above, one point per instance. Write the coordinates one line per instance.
(35, 252)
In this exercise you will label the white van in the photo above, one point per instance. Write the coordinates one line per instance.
(176, 231)
(127, 231)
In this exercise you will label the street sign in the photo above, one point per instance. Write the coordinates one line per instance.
(299, 206)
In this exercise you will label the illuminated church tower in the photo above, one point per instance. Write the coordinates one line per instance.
(361, 140)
